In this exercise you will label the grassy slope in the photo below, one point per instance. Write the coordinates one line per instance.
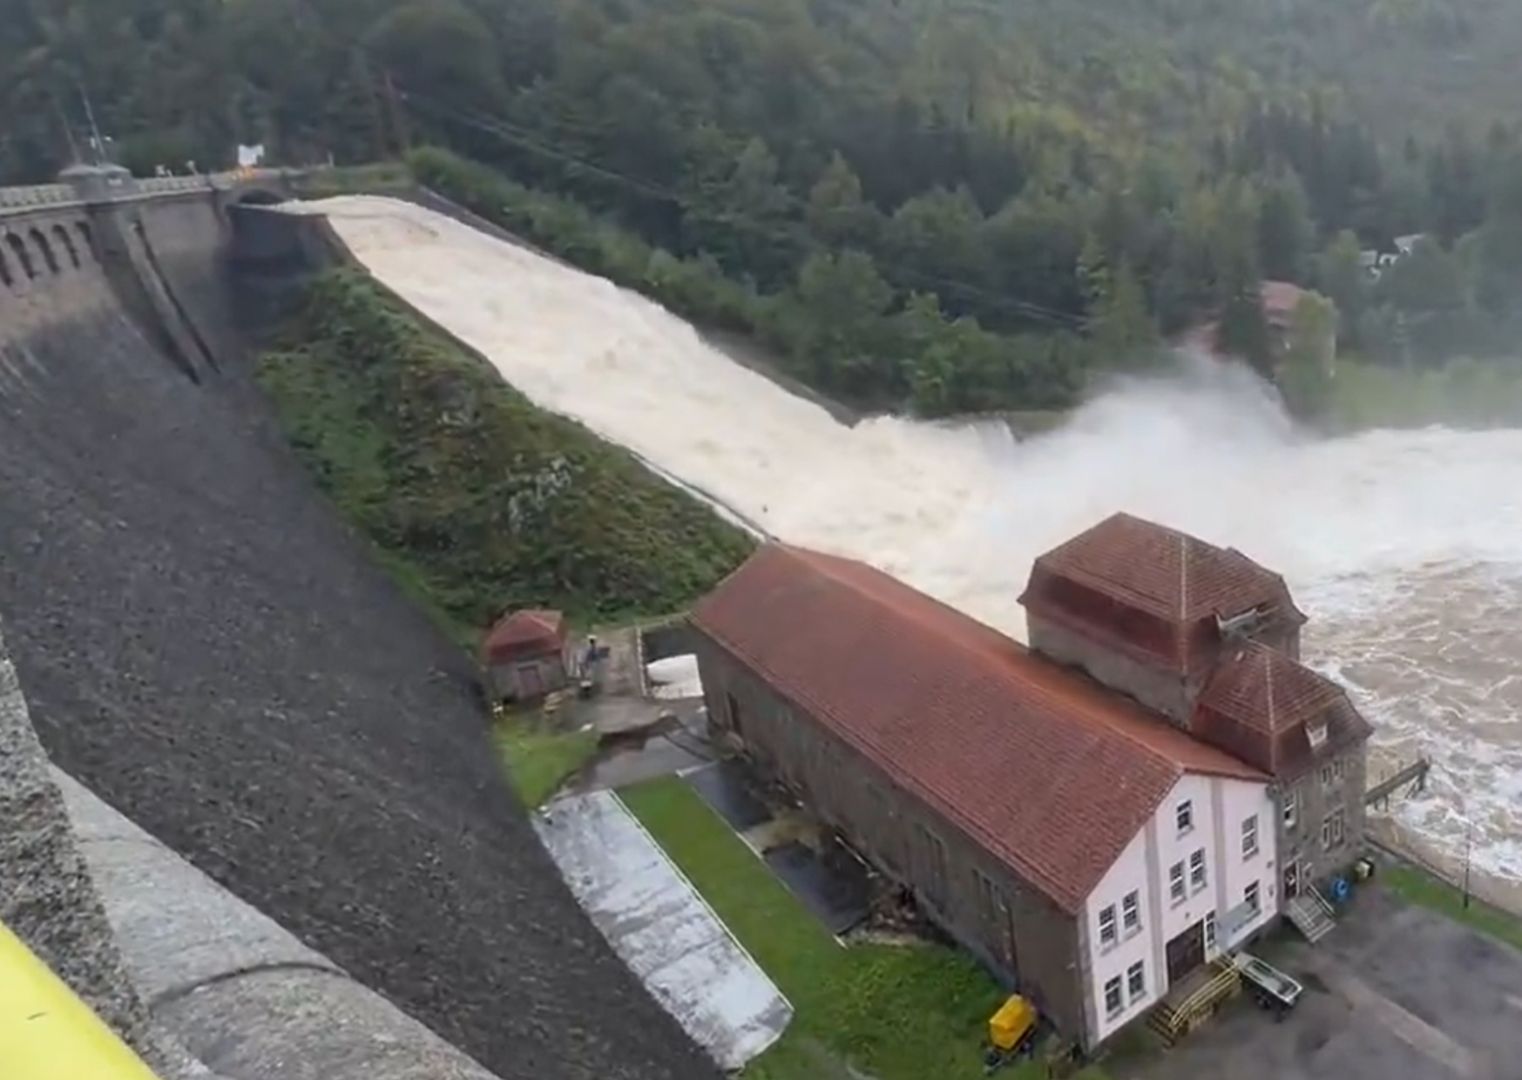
(900, 1013)
(538, 760)
(476, 500)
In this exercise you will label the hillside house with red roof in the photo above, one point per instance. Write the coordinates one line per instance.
(1094, 816)
(524, 655)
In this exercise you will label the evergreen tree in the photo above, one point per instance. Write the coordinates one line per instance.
(1285, 231)
(836, 212)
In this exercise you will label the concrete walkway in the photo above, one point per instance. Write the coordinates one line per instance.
(662, 928)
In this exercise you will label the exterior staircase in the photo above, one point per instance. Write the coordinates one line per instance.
(1190, 1004)
(1311, 914)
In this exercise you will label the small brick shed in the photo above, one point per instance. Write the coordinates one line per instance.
(525, 655)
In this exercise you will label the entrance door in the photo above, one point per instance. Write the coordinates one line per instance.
(1186, 952)
(530, 683)
(1291, 880)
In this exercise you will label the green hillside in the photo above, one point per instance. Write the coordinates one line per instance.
(999, 198)
(475, 499)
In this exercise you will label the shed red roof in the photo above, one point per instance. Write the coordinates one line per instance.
(524, 634)
(1262, 705)
(1050, 772)
(1153, 590)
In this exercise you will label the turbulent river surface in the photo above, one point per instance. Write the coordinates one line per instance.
(1404, 547)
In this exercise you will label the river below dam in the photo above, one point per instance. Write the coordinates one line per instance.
(1404, 547)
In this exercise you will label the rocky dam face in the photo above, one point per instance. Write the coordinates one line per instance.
(1404, 547)
(205, 644)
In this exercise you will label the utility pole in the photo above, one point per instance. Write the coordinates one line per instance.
(1468, 850)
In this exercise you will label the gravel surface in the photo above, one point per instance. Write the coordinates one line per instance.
(204, 643)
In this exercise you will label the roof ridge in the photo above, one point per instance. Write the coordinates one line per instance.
(1268, 669)
(1080, 685)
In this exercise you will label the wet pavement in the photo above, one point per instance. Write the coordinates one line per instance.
(727, 788)
(665, 932)
(638, 740)
(828, 880)
(832, 883)
(1395, 992)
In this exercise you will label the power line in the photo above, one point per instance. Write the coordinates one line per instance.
(795, 235)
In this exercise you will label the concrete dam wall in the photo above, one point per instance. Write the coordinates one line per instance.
(204, 643)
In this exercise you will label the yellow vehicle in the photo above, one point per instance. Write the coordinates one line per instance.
(46, 1033)
(1011, 1033)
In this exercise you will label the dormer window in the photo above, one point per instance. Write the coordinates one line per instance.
(1317, 734)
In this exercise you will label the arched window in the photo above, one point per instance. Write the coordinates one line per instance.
(18, 248)
(87, 240)
(42, 245)
(61, 235)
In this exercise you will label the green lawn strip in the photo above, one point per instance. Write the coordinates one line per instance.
(896, 1012)
(1418, 887)
(538, 760)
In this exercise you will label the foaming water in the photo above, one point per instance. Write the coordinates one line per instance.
(1405, 548)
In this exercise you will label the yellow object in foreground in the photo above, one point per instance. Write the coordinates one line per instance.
(46, 1033)
(1008, 1026)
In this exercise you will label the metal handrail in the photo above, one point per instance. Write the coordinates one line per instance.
(46, 1032)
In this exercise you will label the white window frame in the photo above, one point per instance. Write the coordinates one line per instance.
(1291, 808)
(1177, 889)
(1198, 877)
(1108, 928)
(1326, 775)
(1116, 1005)
(1130, 912)
(1252, 896)
(1250, 836)
(1337, 768)
(1136, 982)
(1183, 817)
(1210, 934)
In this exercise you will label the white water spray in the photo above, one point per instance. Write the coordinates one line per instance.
(1405, 548)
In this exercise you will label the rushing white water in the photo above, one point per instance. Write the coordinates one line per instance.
(1405, 548)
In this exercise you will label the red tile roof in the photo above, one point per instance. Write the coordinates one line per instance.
(524, 634)
(1151, 589)
(1280, 298)
(1050, 772)
(1259, 703)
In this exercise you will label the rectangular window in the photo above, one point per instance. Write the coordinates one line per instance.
(1197, 870)
(1331, 830)
(1136, 982)
(1250, 898)
(1326, 775)
(1290, 808)
(1112, 997)
(990, 897)
(1176, 881)
(1209, 933)
(1250, 837)
(1184, 816)
(1107, 927)
(1337, 769)
(1130, 912)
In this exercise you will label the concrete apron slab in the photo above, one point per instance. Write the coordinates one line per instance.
(662, 928)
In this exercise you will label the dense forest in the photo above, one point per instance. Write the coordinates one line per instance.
(947, 205)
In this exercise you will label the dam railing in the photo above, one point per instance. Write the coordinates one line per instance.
(29, 198)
